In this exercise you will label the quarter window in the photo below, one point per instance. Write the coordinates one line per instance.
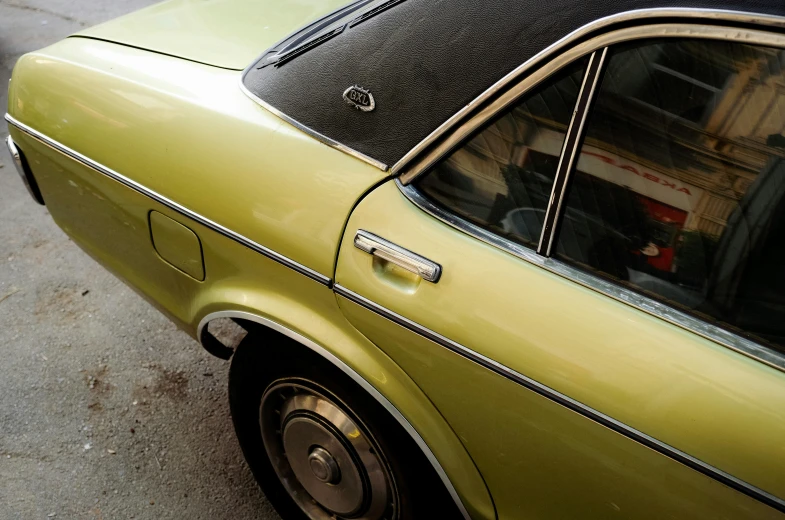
(501, 178)
(679, 188)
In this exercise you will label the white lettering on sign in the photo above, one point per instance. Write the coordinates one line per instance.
(613, 168)
(646, 175)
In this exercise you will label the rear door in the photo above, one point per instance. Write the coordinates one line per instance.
(590, 288)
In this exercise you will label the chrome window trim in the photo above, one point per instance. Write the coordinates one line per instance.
(693, 15)
(572, 142)
(637, 300)
(531, 64)
(566, 401)
(653, 307)
(515, 92)
(182, 210)
(305, 129)
(346, 369)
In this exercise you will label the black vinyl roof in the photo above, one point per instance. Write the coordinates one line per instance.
(424, 60)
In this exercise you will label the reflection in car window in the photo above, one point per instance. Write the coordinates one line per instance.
(679, 189)
(501, 179)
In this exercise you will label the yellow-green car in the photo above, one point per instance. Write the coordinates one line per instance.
(494, 259)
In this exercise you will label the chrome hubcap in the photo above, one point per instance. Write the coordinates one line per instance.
(324, 466)
(325, 459)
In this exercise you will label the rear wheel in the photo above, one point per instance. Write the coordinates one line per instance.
(320, 447)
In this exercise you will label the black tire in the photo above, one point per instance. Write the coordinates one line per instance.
(266, 356)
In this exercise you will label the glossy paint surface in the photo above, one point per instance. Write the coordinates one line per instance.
(224, 33)
(110, 222)
(187, 132)
(177, 245)
(704, 399)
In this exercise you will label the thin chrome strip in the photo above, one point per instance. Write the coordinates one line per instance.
(346, 369)
(659, 310)
(228, 233)
(578, 34)
(572, 141)
(568, 402)
(313, 133)
(504, 100)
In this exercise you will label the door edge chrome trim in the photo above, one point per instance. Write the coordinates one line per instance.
(182, 210)
(690, 15)
(650, 306)
(566, 401)
(368, 387)
(306, 129)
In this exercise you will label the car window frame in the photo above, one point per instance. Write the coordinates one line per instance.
(597, 47)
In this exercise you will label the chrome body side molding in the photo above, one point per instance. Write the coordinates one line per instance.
(564, 44)
(639, 301)
(346, 369)
(182, 210)
(559, 398)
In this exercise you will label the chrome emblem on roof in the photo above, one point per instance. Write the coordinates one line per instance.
(359, 98)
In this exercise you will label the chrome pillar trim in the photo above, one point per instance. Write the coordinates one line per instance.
(307, 130)
(377, 246)
(559, 398)
(346, 369)
(20, 168)
(572, 142)
(182, 210)
(640, 15)
(655, 308)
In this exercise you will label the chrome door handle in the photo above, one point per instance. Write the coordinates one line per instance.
(403, 258)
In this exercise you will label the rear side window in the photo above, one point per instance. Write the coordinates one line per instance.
(501, 179)
(679, 188)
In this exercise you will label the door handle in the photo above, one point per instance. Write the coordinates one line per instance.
(377, 246)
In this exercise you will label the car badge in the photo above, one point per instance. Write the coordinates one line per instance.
(359, 98)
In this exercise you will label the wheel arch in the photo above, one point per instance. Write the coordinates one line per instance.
(466, 487)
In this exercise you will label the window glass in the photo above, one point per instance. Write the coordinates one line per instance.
(679, 189)
(501, 178)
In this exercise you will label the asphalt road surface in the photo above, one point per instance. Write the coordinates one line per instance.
(107, 410)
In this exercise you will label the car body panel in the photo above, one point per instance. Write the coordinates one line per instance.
(187, 132)
(123, 132)
(177, 245)
(223, 33)
(95, 210)
(719, 406)
(542, 460)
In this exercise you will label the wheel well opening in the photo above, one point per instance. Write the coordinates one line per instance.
(273, 347)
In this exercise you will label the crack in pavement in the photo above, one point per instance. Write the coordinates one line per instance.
(45, 11)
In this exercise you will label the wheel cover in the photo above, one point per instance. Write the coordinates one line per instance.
(324, 457)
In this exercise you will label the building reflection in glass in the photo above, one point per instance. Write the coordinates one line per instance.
(679, 185)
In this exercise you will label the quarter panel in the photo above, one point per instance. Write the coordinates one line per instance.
(109, 221)
(699, 397)
(187, 132)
